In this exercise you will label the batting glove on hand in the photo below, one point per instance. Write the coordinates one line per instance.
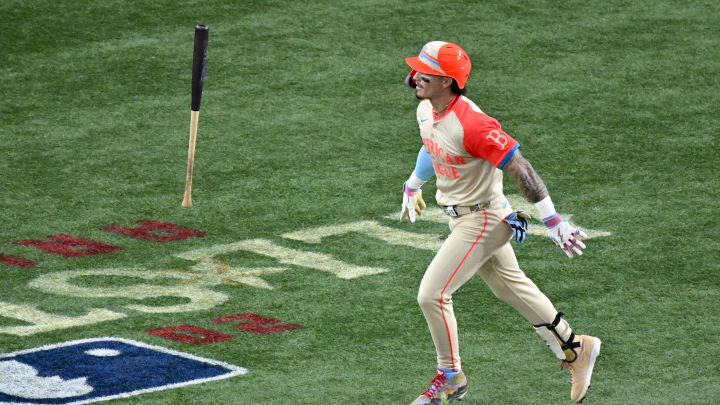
(519, 222)
(412, 203)
(567, 238)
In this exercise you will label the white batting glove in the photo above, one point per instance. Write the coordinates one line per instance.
(559, 231)
(412, 203)
(566, 237)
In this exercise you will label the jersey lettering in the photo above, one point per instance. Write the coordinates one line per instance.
(466, 147)
(446, 171)
(498, 138)
(439, 153)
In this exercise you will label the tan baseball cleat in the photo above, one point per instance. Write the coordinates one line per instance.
(443, 389)
(581, 369)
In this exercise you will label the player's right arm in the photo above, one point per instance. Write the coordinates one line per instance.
(532, 186)
(423, 169)
(412, 194)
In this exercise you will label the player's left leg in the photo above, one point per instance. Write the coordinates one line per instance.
(504, 277)
(473, 239)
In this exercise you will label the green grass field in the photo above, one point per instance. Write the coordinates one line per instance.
(306, 126)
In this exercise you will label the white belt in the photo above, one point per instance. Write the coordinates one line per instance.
(460, 210)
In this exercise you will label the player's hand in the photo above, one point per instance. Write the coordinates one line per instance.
(519, 222)
(412, 203)
(568, 238)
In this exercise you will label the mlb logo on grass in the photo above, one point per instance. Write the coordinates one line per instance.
(90, 370)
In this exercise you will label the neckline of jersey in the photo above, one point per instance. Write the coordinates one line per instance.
(448, 109)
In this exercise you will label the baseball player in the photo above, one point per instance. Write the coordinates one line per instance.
(468, 152)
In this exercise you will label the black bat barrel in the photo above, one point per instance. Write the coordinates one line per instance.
(199, 59)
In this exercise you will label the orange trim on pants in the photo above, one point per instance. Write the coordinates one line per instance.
(448, 283)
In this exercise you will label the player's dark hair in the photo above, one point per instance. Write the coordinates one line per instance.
(456, 89)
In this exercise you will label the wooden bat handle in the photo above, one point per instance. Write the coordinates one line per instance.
(187, 197)
(198, 75)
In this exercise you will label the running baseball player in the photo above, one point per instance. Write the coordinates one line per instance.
(468, 152)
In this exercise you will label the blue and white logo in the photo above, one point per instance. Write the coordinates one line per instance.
(90, 370)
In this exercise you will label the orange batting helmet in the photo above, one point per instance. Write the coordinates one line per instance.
(441, 58)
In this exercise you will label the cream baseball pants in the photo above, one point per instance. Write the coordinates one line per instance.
(479, 243)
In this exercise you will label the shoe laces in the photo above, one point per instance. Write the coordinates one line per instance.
(435, 385)
(572, 370)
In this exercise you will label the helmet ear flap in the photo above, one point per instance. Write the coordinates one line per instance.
(410, 79)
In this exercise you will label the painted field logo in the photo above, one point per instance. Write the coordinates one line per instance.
(200, 285)
(90, 370)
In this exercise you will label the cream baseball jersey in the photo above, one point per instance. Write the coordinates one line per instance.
(467, 148)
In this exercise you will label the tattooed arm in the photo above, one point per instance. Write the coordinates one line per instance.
(527, 179)
(532, 186)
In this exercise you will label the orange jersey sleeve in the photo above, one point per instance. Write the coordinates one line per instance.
(484, 138)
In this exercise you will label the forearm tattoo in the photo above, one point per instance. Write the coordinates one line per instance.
(526, 178)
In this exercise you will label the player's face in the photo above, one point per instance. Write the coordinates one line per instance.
(428, 86)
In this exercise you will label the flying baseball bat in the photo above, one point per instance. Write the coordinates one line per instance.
(198, 75)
